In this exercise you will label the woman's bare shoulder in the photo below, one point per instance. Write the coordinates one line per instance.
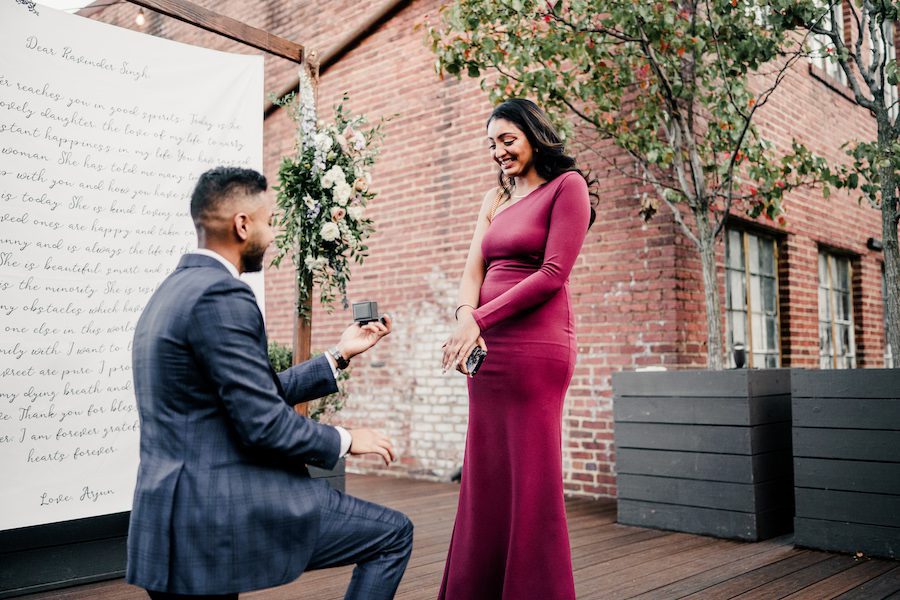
(488, 200)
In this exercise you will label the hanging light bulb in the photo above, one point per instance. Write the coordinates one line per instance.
(139, 20)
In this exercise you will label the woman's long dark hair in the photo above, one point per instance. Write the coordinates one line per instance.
(550, 158)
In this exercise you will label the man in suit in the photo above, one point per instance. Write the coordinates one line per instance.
(224, 502)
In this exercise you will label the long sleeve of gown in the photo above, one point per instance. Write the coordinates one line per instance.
(568, 226)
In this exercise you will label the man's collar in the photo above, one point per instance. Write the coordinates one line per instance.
(212, 254)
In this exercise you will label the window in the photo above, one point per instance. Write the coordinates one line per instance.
(888, 354)
(837, 347)
(751, 274)
(884, 41)
(822, 50)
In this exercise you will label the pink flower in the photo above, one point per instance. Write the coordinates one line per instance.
(337, 213)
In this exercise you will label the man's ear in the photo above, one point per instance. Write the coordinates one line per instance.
(242, 226)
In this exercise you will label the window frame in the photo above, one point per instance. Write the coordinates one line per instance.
(749, 302)
(831, 258)
(819, 44)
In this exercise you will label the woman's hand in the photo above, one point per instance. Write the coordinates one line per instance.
(460, 344)
(461, 366)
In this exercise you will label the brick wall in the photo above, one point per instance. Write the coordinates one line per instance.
(637, 286)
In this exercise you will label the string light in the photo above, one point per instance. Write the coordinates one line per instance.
(139, 20)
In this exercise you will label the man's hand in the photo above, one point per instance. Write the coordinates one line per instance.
(357, 339)
(369, 441)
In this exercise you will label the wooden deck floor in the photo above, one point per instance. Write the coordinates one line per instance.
(611, 561)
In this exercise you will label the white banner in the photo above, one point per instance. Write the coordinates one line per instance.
(103, 133)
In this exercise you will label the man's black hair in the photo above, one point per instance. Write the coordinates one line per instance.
(219, 184)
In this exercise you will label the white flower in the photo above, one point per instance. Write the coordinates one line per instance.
(342, 192)
(346, 234)
(330, 232)
(323, 142)
(315, 263)
(309, 202)
(359, 141)
(357, 213)
(332, 176)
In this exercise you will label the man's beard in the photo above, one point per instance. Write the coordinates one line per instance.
(252, 258)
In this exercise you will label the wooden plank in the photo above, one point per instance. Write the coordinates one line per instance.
(847, 384)
(862, 572)
(836, 536)
(702, 410)
(850, 507)
(742, 497)
(697, 465)
(209, 20)
(666, 570)
(847, 475)
(851, 444)
(783, 586)
(754, 578)
(610, 560)
(716, 439)
(881, 586)
(741, 383)
(850, 413)
(742, 563)
(705, 521)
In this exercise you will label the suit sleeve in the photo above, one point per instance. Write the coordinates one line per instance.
(569, 220)
(229, 341)
(308, 380)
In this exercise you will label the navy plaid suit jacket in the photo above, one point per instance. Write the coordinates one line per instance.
(223, 501)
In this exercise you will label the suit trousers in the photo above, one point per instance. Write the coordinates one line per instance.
(375, 538)
(352, 531)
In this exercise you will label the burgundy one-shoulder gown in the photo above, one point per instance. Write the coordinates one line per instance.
(510, 539)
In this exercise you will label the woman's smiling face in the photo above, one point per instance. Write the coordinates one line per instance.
(510, 148)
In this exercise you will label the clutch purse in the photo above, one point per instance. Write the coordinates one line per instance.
(473, 363)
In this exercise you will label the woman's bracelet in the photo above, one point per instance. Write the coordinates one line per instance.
(456, 312)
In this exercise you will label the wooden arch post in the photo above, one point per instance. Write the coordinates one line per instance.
(303, 314)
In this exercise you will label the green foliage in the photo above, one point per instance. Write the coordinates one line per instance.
(323, 409)
(323, 191)
(869, 74)
(870, 71)
(668, 82)
(280, 357)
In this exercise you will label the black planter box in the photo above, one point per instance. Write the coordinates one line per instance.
(336, 477)
(705, 452)
(55, 555)
(847, 460)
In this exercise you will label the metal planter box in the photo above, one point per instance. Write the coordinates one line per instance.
(846, 439)
(336, 477)
(705, 452)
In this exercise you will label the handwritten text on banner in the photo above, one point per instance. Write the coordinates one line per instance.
(103, 132)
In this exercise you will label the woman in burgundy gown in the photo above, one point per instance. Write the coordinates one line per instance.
(510, 539)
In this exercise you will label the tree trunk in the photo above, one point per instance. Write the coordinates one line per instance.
(891, 256)
(707, 242)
